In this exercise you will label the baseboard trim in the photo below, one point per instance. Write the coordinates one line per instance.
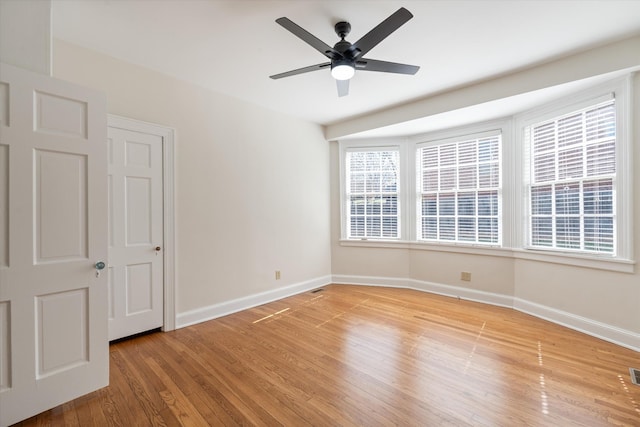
(431, 287)
(228, 307)
(389, 282)
(615, 335)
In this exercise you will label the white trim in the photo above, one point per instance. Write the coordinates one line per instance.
(430, 287)
(619, 89)
(569, 104)
(594, 328)
(568, 258)
(461, 248)
(169, 164)
(625, 163)
(613, 334)
(233, 306)
(383, 144)
(621, 337)
(556, 257)
(168, 136)
(420, 192)
(387, 282)
(461, 133)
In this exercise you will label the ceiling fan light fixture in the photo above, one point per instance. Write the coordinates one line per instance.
(342, 70)
(345, 57)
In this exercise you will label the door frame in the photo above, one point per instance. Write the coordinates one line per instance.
(168, 136)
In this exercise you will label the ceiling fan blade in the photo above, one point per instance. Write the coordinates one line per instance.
(301, 70)
(365, 64)
(380, 32)
(309, 38)
(343, 87)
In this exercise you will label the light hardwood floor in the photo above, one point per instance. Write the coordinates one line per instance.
(365, 356)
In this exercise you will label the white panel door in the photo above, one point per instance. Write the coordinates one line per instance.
(53, 232)
(135, 232)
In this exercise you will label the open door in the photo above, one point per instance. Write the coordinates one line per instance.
(53, 240)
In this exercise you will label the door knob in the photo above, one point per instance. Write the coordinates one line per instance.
(99, 266)
(158, 248)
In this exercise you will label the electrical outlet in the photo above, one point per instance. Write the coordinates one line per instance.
(465, 276)
(277, 274)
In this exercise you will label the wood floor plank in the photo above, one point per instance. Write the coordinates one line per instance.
(357, 355)
(180, 405)
(70, 417)
(128, 378)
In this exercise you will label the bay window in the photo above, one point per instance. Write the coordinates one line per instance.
(550, 184)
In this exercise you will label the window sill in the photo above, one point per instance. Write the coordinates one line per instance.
(428, 246)
(596, 262)
(599, 263)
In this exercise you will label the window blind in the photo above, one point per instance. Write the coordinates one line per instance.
(372, 194)
(573, 170)
(459, 191)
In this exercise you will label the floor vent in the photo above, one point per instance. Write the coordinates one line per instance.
(635, 375)
(315, 291)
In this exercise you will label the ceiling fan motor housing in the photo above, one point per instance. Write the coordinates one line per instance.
(344, 47)
(342, 29)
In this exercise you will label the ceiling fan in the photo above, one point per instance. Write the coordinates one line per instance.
(346, 58)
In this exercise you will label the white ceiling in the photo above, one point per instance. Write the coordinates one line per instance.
(232, 46)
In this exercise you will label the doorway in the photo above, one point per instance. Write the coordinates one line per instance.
(141, 244)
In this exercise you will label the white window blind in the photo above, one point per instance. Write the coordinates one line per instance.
(459, 191)
(573, 171)
(372, 194)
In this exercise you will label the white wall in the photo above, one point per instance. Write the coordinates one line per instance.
(252, 185)
(25, 34)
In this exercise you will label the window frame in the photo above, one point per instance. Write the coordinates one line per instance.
(368, 146)
(619, 90)
(457, 139)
